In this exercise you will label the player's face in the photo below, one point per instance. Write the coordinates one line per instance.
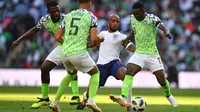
(54, 12)
(139, 14)
(114, 23)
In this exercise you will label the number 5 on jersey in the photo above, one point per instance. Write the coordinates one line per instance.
(75, 27)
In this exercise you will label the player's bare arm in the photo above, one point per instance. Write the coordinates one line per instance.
(126, 43)
(90, 44)
(129, 45)
(165, 30)
(33, 31)
(128, 38)
(58, 36)
(95, 39)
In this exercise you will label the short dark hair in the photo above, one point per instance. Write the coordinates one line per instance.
(138, 5)
(84, 1)
(52, 3)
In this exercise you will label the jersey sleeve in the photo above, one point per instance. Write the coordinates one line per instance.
(41, 22)
(156, 21)
(62, 25)
(94, 20)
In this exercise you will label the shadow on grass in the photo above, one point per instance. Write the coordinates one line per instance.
(24, 106)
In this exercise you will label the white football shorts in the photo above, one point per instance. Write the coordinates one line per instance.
(153, 62)
(54, 56)
(81, 62)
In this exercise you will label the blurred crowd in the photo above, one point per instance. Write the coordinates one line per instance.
(180, 16)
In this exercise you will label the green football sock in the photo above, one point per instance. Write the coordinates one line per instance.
(93, 85)
(127, 85)
(167, 88)
(64, 83)
(74, 85)
(45, 90)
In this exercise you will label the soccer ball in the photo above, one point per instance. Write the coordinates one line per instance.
(139, 104)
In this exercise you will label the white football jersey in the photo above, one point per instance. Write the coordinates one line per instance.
(111, 46)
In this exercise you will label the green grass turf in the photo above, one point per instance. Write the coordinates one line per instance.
(19, 99)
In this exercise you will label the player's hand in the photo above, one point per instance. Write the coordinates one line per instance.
(169, 36)
(14, 45)
(101, 38)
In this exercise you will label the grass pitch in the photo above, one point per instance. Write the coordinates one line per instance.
(19, 99)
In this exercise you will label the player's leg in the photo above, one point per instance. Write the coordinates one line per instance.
(133, 67)
(85, 64)
(65, 82)
(104, 74)
(160, 76)
(75, 92)
(94, 84)
(154, 63)
(54, 105)
(119, 71)
(46, 67)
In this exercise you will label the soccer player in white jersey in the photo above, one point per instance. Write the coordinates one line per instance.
(144, 30)
(51, 22)
(109, 63)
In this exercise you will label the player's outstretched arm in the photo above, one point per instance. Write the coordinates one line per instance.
(165, 30)
(59, 34)
(90, 44)
(29, 33)
(95, 40)
(127, 44)
(128, 38)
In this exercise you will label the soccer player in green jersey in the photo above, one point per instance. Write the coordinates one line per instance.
(75, 29)
(51, 22)
(144, 27)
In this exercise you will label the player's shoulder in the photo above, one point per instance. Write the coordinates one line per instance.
(62, 15)
(152, 17)
(132, 17)
(121, 34)
(103, 32)
(45, 18)
(89, 13)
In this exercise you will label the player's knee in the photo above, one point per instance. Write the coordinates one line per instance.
(121, 77)
(72, 72)
(162, 83)
(44, 69)
(130, 72)
(121, 74)
(94, 70)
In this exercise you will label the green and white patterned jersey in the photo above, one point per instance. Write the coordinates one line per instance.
(145, 34)
(77, 25)
(46, 22)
